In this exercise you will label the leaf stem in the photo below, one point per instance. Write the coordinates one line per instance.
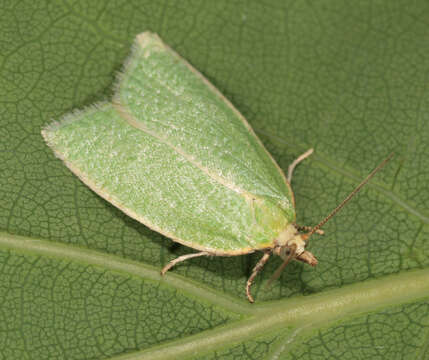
(302, 314)
(125, 266)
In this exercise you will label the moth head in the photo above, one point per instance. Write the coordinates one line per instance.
(291, 245)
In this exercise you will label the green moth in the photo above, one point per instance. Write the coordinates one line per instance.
(173, 153)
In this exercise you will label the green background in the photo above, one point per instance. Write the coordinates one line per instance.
(79, 278)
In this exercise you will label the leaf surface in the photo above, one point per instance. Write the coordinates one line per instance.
(79, 279)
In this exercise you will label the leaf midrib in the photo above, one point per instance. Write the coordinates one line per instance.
(302, 311)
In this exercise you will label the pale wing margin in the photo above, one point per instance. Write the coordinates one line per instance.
(151, 182)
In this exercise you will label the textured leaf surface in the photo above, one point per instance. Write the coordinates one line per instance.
(396, 333)
(348, 80)
(63, 309)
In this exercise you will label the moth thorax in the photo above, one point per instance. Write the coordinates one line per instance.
(286, 235)
(290, 237)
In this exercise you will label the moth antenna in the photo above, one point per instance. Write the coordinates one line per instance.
(348, 198)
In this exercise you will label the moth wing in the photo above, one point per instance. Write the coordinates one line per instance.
(172, 153)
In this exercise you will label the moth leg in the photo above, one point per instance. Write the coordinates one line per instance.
(296, 162)
(309, 228)
(258, 267)
(182, 258)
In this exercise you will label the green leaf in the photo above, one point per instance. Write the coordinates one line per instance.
(79, 279)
